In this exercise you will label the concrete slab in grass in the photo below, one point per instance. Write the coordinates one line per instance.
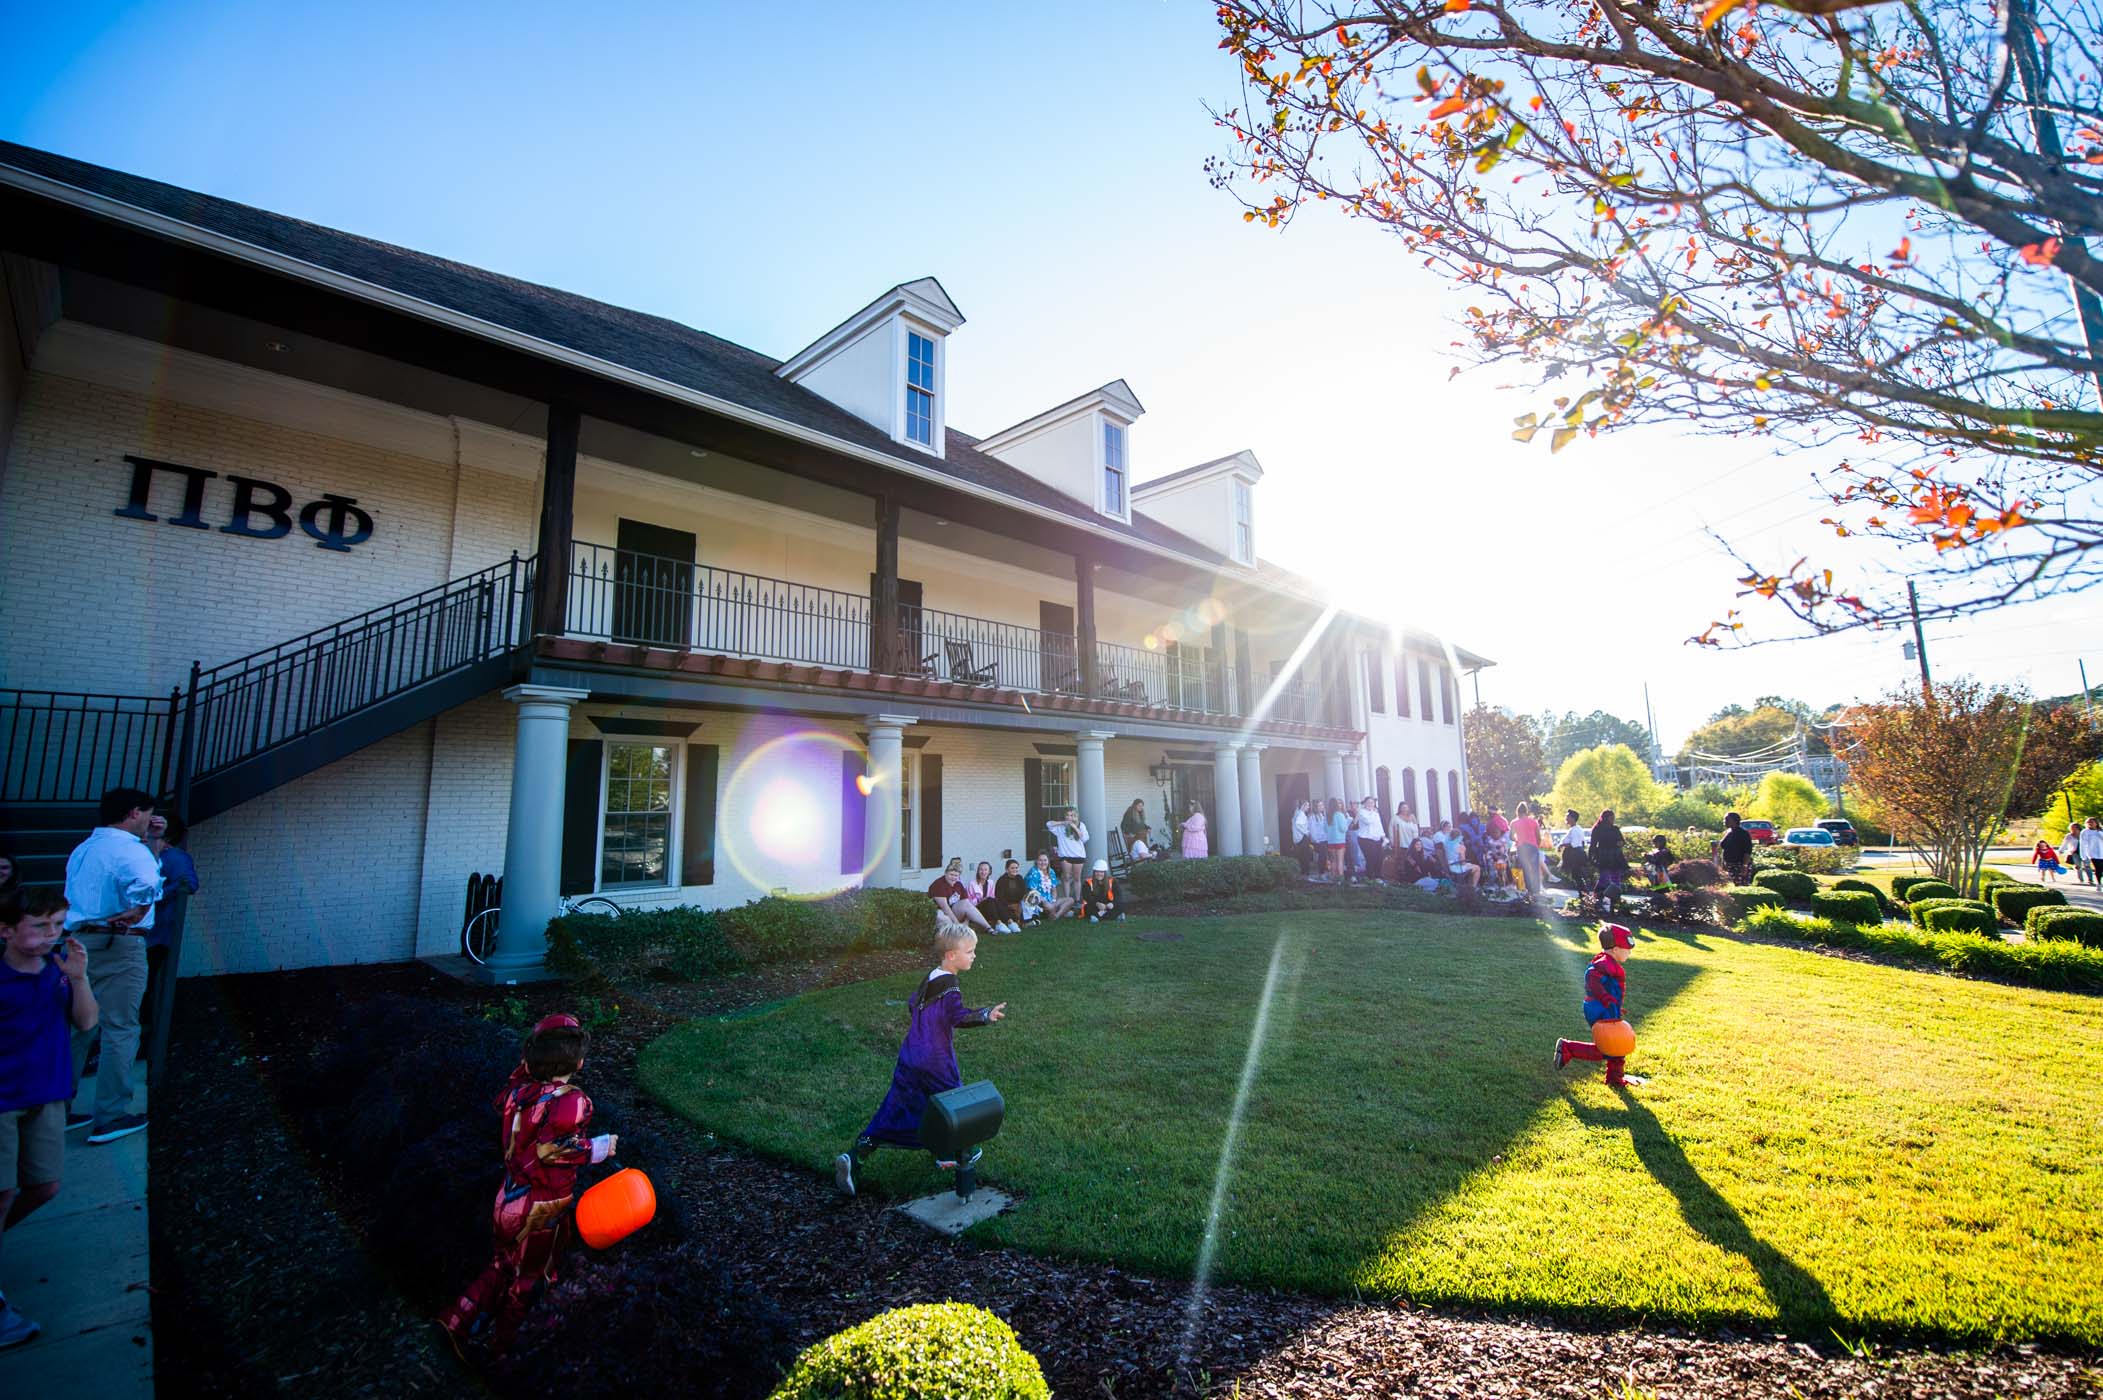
(952, 1214)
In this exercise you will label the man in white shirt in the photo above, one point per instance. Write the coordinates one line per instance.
(112, 885)
(2092, 848)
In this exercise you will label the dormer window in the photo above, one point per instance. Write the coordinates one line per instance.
(919, 389)
(1114, 469)
(1244, 523)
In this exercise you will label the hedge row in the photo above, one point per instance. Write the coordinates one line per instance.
(2046, 962)
(1919, 909)
(1170, 880)
(689, 943)
(2014, 902)
(1738, 901)
(2080, 925)
(1950, 917)
(1865, 887)
(1925, 889)
(1789, 884)
(1847, 907)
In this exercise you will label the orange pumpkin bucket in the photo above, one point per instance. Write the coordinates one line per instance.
(1614, 1038)
(616, 1208)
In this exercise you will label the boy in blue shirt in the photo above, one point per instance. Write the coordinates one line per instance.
(44, 998)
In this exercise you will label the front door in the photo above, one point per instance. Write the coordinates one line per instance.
(1056, 670)
(653, 584)
(1292, 791)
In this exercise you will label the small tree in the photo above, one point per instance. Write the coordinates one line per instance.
(1610, 776)
(1789, 799)
(2060, 742)
(2078, 798)
(1939, 766)
(1505, 764)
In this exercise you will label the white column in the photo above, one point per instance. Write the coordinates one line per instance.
(1225, 823)
(1333, 773)
(533, 839)
(880, 815)
(1254, 826)
(1091, 791)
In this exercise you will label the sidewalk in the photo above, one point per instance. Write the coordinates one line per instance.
(79, 1266)
(2085, 896)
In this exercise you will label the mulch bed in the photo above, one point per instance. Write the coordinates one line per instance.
(266, 1279)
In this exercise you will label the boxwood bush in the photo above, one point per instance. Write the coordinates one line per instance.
(1739, 901)
(1926, 889)
(1172, 880)
(929, 1351)
(1902, 883)
(1952, 916)
(1847, 907)
(1919, 909)
(2059, 922)
(2014, 902)
(2040, 963)
(1789, 884)
(687, 943)
(1864, 887)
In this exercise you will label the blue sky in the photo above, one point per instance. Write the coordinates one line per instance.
(760, 174)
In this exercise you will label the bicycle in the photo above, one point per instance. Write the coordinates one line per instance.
(478, 937)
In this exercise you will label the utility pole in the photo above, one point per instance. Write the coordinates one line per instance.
(1920, 640)
(2029, 64)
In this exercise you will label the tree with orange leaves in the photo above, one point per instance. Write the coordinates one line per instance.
(1829, 223)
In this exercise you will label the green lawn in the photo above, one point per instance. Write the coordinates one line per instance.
(1824, 1142)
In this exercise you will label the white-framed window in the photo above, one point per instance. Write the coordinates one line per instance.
(908, 829)
(1114, 469)
(636, 827)
(1244, 523)
(920, 389)
(1055, 789)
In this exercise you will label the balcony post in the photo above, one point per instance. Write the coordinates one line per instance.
(1225, 822)
(1092, 792)
(558, 512)
(883, 622)
(533, 838)
(880, 827)
(1333, 773)
(1255, 826)
(1084, 625)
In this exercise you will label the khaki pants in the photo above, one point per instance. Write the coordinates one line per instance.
(117, 976)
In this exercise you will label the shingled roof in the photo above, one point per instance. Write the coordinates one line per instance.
(655, 346)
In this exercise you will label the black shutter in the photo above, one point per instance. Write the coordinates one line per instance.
(697, 844)
(580, 816)
(1033, 818)
(854, 814)
(931, 857)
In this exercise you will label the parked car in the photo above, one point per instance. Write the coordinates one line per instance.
(1843, 831)
(1808, 836)
(1762, 833)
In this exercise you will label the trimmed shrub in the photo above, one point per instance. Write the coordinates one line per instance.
(1902, 883)
(1847, 907)
(929, 1351)
(2014, 902)
(2054, 963)
(1959, 918)
(1789, 884)
(1864, 887)
(1172, 880)
(1926, 889)
(1738, 902)
(688, 943)
(1702, 874)
(2082, 926)
(1989, 877)
(1919, 909)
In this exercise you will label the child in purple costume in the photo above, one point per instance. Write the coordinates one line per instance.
(927, 1060)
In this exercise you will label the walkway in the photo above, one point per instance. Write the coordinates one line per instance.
(79, 1266)
(2087, 896)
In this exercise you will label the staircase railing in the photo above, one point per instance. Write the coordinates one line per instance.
(244, 708)
(57, 746)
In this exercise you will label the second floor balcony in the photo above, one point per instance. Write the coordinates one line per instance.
(625, 598)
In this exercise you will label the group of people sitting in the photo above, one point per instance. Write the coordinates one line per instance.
(1016, 898)
(1339, 841)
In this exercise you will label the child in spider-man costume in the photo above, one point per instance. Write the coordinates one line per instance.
(1606, 977)
(544, 1120)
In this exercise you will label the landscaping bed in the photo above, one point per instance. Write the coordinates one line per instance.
(273, 1272)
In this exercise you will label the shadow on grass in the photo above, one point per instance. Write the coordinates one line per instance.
(1800, 1300)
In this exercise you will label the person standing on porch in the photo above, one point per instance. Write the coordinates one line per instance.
(1070, 841)
(1196, 846)
(113, 883)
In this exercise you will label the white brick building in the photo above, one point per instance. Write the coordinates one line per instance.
(777, 586)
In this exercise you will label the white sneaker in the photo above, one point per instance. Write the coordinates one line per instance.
(1095, 918)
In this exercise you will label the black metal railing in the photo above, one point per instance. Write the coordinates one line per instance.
(249, 706)
(619, 595)
(1183, 678)
(979, 651)
(59, 747)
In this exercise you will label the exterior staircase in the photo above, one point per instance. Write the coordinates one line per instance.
(247, 726)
